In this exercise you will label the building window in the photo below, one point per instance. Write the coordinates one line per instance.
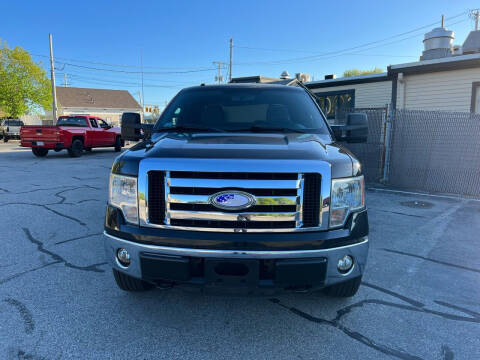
(332, 102)
(475, 107)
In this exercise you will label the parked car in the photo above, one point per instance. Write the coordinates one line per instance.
(239, 186)
(74, 133)
(10, 129)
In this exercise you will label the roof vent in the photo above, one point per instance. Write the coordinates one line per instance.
(302, 77)
(457, 50)
(438, 43)
(330, 77)
(285, 75)
(472, 43)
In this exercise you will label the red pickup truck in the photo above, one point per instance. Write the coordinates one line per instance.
(74, 133)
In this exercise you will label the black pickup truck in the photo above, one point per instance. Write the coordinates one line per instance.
(239, 187)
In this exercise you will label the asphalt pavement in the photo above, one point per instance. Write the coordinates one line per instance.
(420, 297)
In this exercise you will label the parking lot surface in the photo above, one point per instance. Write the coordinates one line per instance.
(420, 297)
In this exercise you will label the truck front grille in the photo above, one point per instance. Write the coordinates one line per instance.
(311, 200)
(181, 199)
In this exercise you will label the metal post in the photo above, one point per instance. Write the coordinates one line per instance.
(388, 136)
(475, 15)
(143, 98)
(231, 60)
(219, 77)
(52, 77)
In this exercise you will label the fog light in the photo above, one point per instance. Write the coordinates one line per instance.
(123, 257)
(345, 264)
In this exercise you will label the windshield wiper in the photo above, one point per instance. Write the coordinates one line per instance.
(188, 129)
(269, 129)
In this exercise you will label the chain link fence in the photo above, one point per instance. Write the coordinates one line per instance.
(371, 154)
(436, 151)
(432, 151)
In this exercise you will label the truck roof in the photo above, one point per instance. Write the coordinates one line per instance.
(245, 86)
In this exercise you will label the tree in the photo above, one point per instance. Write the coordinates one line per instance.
(24, 85)
(356, 72)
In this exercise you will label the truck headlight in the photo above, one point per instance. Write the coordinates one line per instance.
(123, 195)
(348, 194)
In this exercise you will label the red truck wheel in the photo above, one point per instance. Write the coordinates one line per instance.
(76, 149)
(39, 152)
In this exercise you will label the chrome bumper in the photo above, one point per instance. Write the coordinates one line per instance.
(358, 251)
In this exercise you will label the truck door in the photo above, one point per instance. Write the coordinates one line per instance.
(107, 135)
(93, 134)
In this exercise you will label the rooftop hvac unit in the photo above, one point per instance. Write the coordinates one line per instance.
(285, 75)
(437, 44)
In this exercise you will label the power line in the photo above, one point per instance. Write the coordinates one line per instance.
(139, 72)
(121, 77)
(119, 65)
(121, 83)
(339, 53)
(354, 47)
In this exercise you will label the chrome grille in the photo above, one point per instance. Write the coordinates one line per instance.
(186, 199)
(286, 200)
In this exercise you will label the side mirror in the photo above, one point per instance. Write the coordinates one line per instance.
(130, 126)
(354, 131)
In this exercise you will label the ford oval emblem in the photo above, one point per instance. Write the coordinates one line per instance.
(232, 200)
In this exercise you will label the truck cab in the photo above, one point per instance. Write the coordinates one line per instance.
(239, 187)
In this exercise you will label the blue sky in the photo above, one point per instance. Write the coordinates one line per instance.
(179, 40)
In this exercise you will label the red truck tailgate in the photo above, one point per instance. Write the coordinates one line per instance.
(39, 133)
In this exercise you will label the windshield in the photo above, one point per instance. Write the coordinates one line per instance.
(13, 122)
(72, 121)
(248, 109)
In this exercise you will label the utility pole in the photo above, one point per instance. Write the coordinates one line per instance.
(65, 81)
(52, 77)
(219, 77)
(141, 66)
(231, 61)
(475, 15)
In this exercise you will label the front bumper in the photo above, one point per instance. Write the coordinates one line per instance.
(249, 269)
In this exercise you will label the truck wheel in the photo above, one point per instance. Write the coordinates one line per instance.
(5, 138)
(128, 283)
(344, 289)
(118, 144)
(39, 152)
(76, 149)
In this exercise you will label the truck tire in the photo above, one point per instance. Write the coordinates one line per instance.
(128, 283)
(118, 144)
(40, 152)
(5, 138)
(76, 149)
(344, 289)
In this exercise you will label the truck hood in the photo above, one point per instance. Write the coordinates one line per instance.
(240, 146)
